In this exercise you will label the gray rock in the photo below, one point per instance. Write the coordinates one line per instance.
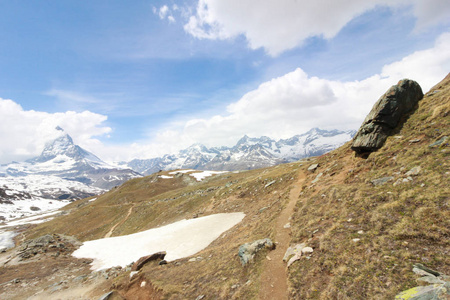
(317, 178)
(429, 292)
(248, 251)
(439, 142)
(270, 183)
(437, 286)
(145, 259)
(291, 251)
(113, 295)
(414, 171)
(382, 180)
(385, 115)
(313, 167)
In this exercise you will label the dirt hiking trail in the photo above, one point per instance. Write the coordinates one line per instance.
(274, 277)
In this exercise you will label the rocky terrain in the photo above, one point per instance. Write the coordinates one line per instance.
(338, 226)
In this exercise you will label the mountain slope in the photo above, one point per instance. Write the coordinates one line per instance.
(366, 220)
(248, 153)
(62, 171)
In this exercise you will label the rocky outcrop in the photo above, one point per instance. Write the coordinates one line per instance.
(248, 251)
(386, 115)
(433, 285)
(145, 259)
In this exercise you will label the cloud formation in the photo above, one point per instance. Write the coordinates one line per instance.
(24, 132)
(295, 102)
(279, 26)
(279, 108)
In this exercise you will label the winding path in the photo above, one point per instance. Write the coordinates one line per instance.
(274, 283)
(119, 223)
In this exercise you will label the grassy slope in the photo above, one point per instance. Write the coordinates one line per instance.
(402, 224)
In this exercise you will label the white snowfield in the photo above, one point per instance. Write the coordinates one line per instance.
(22, 208)
(198, 175)
(180, 239)
(35, 219)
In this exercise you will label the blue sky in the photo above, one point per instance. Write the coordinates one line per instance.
(142, 78)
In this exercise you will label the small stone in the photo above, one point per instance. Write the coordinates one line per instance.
(361, 232)
(132, 273)
(381, 181)
(414, 171)
(268, 258)
(287, 225)
(200, 297)
(317, 178)
(270, 183)
(356, 240)
(143, 283)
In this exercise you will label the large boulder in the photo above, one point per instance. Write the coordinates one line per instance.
(248, 251)
(385, 115)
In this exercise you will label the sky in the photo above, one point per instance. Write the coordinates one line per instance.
(139, 79)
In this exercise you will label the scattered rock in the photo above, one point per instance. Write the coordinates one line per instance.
(317, 178)
(287, 225)
(248, 251)
(414, 171)
(356, 240)
(270, 183)
(439, 142)
(49, 244)
(385, 115)
(293, 259)
(414, 141)
(291, 251)
(34, 208)
(162, 262)
(313, 167)
(113, 295)
(200, 297)
(382, 180)
(145, 259)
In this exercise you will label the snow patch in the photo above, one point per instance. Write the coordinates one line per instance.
(181, 171)
(165, 177)
(202, 175)
(180, 239)
(7, 239)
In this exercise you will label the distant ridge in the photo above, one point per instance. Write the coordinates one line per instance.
(248, 153)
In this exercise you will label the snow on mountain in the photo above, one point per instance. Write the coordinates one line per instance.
(62, 171)
(248, 153)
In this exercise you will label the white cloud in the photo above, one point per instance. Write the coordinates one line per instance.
(163, 10)
(24, 132)
(277, 26)
(294, 103)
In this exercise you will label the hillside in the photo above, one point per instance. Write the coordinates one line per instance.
(365, 233)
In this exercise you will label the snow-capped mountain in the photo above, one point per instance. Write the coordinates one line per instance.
(62, 171)
(248, 153)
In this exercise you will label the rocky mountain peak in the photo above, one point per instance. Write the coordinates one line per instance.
(63, 145)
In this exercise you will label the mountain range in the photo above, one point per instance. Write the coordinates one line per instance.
(249, 153)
